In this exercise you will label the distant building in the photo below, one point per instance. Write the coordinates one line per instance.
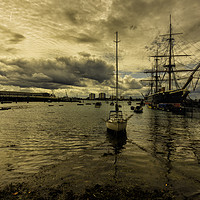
(112, 97)
(102, 96)
(24, 94)
(13, 96)
(91, 96)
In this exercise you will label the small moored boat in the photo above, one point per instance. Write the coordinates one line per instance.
(138, 109)
(98, 104)
(116, 122)
(112, 104)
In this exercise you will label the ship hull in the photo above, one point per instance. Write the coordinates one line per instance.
(169, 97)
(116, 125)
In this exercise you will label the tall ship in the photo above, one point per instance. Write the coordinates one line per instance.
(171, 94)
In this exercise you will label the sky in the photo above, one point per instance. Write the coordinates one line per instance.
(67, 46)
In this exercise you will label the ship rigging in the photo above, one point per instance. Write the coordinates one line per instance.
(160, 94)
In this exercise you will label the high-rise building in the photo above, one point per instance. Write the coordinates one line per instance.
(102, 96)
(112, 97)
(91, 96)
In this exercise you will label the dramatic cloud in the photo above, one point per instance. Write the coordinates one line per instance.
(84, 54)
(130, 83)
(59, 43)
(54, 73)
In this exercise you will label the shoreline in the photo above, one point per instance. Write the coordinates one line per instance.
(88, 175)
(63, 191)
(77, 179)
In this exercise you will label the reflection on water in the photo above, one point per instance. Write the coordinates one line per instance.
(163, 144)
(117, 140)
(174, 143)
(36, 135)
(159, 149)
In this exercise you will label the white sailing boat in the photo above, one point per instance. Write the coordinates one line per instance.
(116, 122)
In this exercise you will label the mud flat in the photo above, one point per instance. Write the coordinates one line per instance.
(82, 177)
(61, 192)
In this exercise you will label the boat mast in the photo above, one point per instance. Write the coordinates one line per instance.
(170, 64)
(170, 55)
(117, 41)
(156, 76)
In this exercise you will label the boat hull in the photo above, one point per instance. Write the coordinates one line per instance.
(171, 96)
(138, 111)
(116, 125)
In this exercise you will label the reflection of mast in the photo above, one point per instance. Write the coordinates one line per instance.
(167, 145)
(117, 142)
(116, 168)
(170, 149)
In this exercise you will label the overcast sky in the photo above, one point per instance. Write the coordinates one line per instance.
(67, 45)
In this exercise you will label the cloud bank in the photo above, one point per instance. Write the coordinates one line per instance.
(53, 73)
(59, 43)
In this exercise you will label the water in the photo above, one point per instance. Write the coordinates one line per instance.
(162, 150)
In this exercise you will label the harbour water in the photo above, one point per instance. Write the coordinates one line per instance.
(68, 142)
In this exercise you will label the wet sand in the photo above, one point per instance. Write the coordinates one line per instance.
(82, 177)
(61, 192)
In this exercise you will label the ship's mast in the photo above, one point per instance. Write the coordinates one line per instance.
(117, 41)
(170, 55)
(156, 76)
(154, 70)
(170, 64)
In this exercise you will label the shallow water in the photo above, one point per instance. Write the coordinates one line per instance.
(161, 150)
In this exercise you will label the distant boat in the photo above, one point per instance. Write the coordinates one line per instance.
(138, 109)
(6, 102)
(80, 104)
(112, 104)
(5, 108)
(98, 104)
(116, 122)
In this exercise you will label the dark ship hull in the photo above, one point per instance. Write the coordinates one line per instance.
(167, 97)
